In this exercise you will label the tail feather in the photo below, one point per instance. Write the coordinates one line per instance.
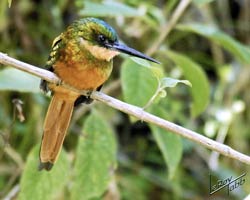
(55, 127)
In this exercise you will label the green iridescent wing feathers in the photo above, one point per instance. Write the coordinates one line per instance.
(54, 53)
(57, 43)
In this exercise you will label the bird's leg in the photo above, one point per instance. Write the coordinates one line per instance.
(85, 98)
(44, 86)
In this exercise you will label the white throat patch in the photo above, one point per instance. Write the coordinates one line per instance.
(99, 52)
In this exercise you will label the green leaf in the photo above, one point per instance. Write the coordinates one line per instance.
(141, 61)
(16, 80)
(200, 85)
(43, 185)
(108, 9)
(138, 83)
(240, 51)
(157, 71)
(201, 2)
(95, 159)
(169, 144)
(172, 82)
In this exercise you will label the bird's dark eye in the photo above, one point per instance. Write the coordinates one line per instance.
(101, 38)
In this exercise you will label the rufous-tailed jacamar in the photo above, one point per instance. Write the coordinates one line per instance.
(81, 57)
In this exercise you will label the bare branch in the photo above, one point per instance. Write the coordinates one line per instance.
(45, 74)
(13, 192)
(169, 25)
(132, 110)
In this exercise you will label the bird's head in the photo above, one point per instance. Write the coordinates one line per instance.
(101, 39)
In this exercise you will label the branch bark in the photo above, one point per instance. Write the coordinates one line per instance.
(132, 110)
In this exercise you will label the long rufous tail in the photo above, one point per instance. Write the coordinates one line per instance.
(55, 127)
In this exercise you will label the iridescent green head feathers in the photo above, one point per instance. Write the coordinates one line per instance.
(94, 31)
(97, 33)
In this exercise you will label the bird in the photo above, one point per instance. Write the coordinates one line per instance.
(82, 57)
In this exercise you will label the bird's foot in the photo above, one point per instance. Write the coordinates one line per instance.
(44, 86)
(83, 99)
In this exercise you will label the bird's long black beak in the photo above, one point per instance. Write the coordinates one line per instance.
(127, 50)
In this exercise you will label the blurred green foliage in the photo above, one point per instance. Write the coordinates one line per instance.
(108, 155)
(44, 185)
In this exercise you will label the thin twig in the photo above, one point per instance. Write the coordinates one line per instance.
(14, 155)
(12, 194)
(191, 135)
(169, 26)
(134, 111)
(48, 76)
